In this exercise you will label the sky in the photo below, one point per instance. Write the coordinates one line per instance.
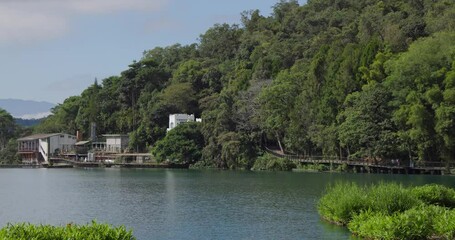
(54, 49)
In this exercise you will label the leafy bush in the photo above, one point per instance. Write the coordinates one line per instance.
(390, 198)
(341, 202)
(416, 223)
(313, 167)
(390, 211)
(183, 144)
(269, 162)
(444, 224)
(70, 231)
(436, 195)
(374, 225)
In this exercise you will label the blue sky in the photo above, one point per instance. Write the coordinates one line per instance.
(53, 49)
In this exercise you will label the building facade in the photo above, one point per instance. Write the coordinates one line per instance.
(116, 143)
(176, 119)
(39, 148)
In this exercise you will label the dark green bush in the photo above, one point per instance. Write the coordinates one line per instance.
(272, 163)
(70, 231)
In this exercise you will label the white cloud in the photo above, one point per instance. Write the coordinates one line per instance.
(17, 25)
(32, 20)
(97, 6)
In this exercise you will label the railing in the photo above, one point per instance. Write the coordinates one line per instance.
(27, 149)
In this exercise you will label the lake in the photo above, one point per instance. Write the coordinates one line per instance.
(182, 204)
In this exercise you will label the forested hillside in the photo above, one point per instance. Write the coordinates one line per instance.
(351, 78)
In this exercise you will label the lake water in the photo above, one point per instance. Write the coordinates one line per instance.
(182, 204)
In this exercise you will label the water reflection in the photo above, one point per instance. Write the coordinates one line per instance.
(182, 204)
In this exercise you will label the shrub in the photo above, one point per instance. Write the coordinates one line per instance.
(390, 211)
(436, 195)
(390, 198)
(373, 225)
(416, 223)
(269, 162)
(341, 202)
(70, 231)
(444, 224)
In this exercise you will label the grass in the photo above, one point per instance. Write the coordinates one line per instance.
(391, 211)
(70, 231)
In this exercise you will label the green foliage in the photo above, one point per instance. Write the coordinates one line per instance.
(422, 222)
(390, 211)
(70, 231)
(272, 163)
(8, 155)
(342, 202)
(7, 128)
(371, 79)
(183, 144)
(444, 224)
(435, 195)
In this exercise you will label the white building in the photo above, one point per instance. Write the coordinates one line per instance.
(39, 148)
(116, 143)
(176, 119)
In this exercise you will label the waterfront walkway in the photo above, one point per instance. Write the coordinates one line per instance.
(438, 168)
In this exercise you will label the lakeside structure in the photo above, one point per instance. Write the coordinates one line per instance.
(38, 148)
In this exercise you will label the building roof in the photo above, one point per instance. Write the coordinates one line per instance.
(115, 135)
(38, 136)
(81, 143)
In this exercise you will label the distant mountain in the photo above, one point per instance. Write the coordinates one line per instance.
(26, 109)
(28, 122)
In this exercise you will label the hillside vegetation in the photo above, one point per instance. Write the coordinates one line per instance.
(351, 78)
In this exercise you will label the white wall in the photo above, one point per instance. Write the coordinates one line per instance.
(176, 119)
(43, 149)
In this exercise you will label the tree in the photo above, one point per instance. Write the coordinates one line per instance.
(276, 102)
(421, 82)
(7, 128)
(366, 129)
(183, 144)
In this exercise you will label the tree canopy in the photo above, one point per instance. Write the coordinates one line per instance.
(366, 79)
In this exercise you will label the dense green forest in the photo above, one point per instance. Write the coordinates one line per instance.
(9, 131)
(363, 79)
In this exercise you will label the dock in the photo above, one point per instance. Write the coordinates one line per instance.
(68, 163)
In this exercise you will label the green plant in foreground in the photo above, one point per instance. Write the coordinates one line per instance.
(390, 211)
(435, 194)
(71, 231)
(341, 202)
